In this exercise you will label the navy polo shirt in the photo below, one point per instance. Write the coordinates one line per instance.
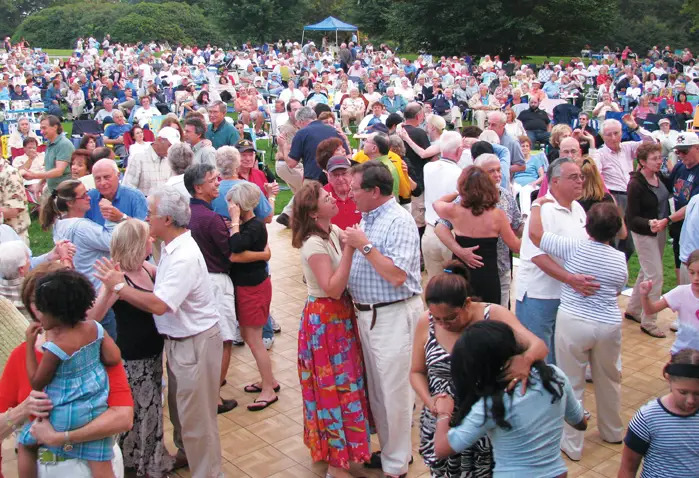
(305, 143)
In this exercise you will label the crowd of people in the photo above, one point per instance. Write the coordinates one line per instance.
(444, 166)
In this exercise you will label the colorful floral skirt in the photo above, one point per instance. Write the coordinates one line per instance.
(331, 370)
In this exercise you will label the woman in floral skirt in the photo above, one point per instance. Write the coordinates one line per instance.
(336, 415)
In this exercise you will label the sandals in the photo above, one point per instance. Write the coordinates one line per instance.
(653, 331)
(631, 317)
(254, 388)
(259, 405)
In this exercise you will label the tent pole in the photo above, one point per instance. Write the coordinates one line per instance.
(336, 43)
(303, 32)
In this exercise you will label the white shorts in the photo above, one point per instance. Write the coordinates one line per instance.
(79, 468)
(225, 303)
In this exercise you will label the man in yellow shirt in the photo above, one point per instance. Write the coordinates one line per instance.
(394, 163)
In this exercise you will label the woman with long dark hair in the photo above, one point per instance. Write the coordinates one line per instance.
(451, 311)
(524, 424)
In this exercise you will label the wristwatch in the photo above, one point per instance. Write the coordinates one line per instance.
(117, 287)
(67, 446)
(669, 220)
(367, 249)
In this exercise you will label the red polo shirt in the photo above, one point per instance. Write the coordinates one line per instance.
(348, 215)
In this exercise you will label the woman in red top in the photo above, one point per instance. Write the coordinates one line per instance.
(18, 402)
(683, 108)
(602, 76)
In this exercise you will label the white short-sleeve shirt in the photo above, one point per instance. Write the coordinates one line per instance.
(559, 220)
(183, 284)
(441, 177)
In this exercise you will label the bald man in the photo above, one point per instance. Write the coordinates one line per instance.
(110, 201)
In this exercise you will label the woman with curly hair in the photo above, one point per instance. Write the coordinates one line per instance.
(478, 222)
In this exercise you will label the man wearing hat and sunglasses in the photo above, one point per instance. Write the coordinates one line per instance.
(685, 185)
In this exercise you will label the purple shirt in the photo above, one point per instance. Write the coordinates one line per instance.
(615, 167)
(211, 235)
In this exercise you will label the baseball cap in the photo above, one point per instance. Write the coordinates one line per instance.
(170, 134)
(663, 120)
(338, 162)
(687, 139)
(245, 145)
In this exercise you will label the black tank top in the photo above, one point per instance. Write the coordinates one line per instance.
(137, 336)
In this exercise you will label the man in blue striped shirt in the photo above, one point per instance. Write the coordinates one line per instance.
(385, 285)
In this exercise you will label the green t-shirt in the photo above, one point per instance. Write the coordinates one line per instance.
(60, 149)
(394, 172)
(225, 135)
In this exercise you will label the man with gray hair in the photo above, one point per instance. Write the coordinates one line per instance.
(149, 169)
(440, 178)
(184, 309)
(220, 132)
(210, 232)
(14, 264)
(194, 135)
(180, 157)
(111, 201)
(114, 133)
(305, 143)
(615, 162)
(292, 176)
(539, 276)
(496, 122)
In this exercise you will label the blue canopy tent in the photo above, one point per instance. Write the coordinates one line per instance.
(330, 24)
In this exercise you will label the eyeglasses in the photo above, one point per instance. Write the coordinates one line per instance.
(576, 177)
(82, 196)
(444, 320)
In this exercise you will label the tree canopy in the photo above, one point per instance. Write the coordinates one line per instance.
(438, 26)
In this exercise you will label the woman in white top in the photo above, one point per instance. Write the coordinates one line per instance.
(32, 161)
(588, 328)
(329, 356)
(514, 127)
(76, 100)
(144, 114)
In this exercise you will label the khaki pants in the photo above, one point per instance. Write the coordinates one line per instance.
(347, 117)
(684, 274)
(435, 253)
(417, 209)
(387, 350)
(480, 117)
(193, 373)
(650, 257)
(579, 342)
(293, 177)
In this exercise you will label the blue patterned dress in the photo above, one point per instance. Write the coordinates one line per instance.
(78, 392)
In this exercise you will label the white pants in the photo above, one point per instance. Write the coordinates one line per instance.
(79, 468)
(436, 254)
(293, 177)
(225, 303)
(525, 196)
(505, 285)
(387, 350)
(480, 117)
(453, 116)
(581, 341)
(650, 258)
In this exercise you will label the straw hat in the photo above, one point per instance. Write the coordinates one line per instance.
(12, 327)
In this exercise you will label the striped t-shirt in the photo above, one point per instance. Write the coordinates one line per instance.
(668, 442)
(603, 262)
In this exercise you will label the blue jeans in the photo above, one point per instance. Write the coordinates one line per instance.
(109, 324)
(539, 135)
(539, 317)
(267, 331)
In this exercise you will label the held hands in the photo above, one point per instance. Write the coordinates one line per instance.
(109, 212)
(355, 237)
(272, 189)
(657, 225)
(64, 250)
(645, 287)
(109, 273)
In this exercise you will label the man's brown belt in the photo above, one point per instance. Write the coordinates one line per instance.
(373, 307)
